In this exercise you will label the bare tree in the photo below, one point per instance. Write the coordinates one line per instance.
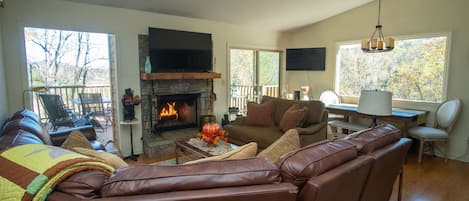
(67, 57)
(53, 45)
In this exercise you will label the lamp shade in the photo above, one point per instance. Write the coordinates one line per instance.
(374, 102)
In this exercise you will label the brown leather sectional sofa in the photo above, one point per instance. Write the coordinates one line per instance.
(313, 130)
(362, 166)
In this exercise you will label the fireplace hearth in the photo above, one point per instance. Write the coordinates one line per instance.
(176, 111)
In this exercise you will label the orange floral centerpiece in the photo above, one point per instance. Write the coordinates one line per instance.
(212, 134)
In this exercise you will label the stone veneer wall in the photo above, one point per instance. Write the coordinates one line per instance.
(155, 146)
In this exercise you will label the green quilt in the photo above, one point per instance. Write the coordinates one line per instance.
(30, 172)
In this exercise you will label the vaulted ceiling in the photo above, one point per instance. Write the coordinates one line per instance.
(269, 14)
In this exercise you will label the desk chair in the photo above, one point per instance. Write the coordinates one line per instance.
(445, 117)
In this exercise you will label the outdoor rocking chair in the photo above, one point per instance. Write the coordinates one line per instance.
(59, 115)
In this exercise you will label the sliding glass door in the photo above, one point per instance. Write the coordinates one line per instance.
(253, 74)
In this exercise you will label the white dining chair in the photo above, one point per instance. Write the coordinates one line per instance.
(445, 118)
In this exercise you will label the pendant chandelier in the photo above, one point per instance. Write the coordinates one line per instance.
(376, 43)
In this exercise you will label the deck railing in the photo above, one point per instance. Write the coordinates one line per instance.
(70, 96)
(242, 94)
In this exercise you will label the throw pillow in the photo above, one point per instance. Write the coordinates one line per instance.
(245, 151)
(260, 114)
(288, 142)
(76, 139)
(107, 158)
(293, 117)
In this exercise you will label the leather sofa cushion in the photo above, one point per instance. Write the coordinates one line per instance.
(314, 114)
(344, 183)
(265, 192)
(26, 113)
(146, 179)
(27, 124)
(264, 136)
(84, 184)
(369, 140)
(300, 165)
(18, 137)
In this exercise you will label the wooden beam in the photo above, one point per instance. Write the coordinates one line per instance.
(179, 76)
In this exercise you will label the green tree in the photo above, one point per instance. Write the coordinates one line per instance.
(414, 70)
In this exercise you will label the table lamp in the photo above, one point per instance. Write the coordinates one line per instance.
(375, 103)
(33, 89)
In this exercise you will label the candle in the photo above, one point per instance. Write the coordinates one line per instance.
(380, 45)
(374, 42)
(365, 44)
(390, 43)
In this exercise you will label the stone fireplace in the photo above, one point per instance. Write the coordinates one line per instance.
(176, 111)
(161, 99)
(170, 110)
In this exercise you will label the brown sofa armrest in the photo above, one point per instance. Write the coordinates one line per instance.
(58, 137)
(313, 133)
(325, 116)
(240, 121)
(311, 129)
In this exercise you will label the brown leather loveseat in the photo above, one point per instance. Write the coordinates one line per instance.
(362, 166)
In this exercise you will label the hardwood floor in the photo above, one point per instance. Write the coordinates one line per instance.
(434, 180)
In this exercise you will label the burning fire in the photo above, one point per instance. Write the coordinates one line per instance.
(169, 110)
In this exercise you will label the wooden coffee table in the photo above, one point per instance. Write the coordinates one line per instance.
(183, 145)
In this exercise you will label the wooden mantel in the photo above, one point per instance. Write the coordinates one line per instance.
(179, 76)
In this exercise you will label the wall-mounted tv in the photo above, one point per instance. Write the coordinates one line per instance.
(179, 51)
(306, 59)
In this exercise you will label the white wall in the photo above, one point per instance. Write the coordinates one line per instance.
(3, 82)
(126, 25)
(398, 17)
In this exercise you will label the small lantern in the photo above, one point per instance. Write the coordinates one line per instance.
(232, 113)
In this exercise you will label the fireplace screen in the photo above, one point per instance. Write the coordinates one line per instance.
(176, 111)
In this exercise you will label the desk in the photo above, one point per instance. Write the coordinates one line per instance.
(401, 118)
(130, 123)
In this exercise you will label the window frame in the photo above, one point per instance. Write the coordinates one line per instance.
(417, 104)
(256, 49)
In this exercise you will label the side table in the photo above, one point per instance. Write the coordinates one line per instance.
(130, 123)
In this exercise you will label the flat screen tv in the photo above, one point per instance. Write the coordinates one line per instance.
(179, 51)
(306, 59)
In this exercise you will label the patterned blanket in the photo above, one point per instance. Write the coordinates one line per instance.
(30, 172)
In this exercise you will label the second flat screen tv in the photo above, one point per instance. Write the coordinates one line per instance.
(305, 59)
(179, 51)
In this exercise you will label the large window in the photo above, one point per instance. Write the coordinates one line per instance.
(414, 71)
(253, 73)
